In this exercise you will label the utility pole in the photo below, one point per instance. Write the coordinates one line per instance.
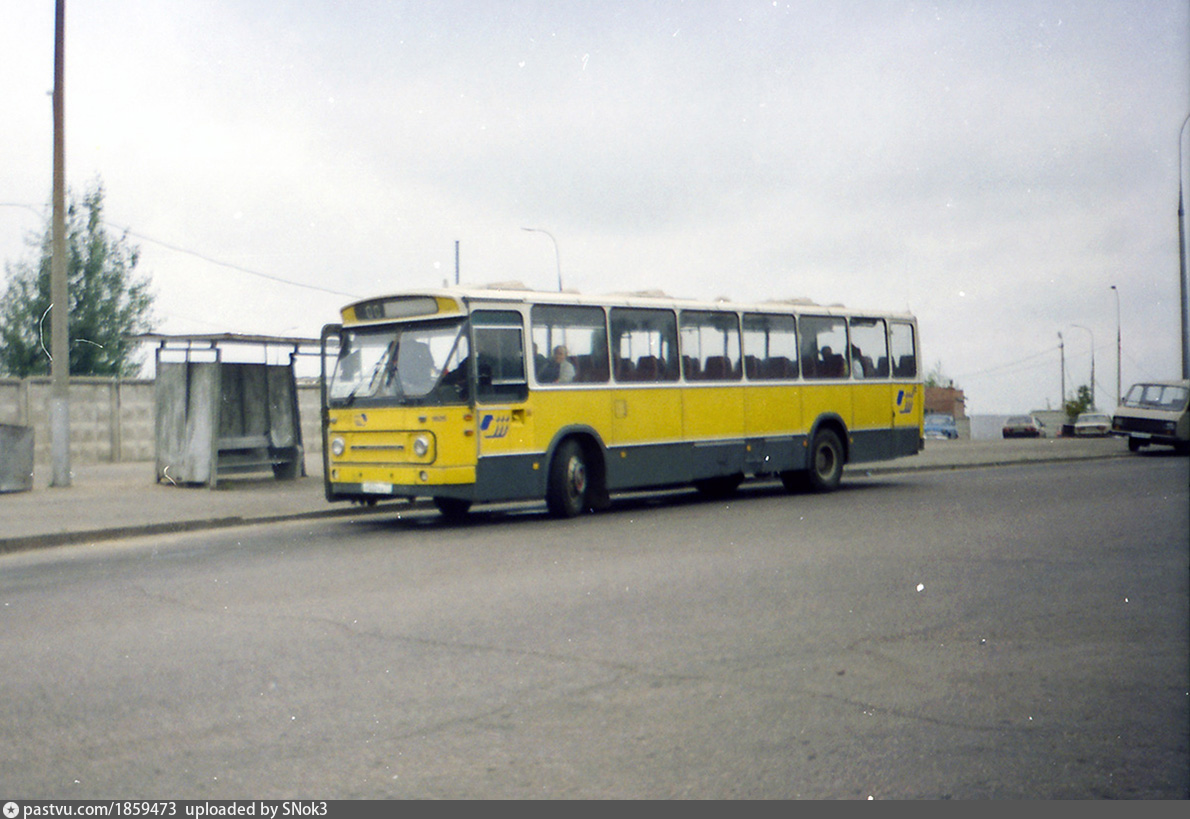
(1062, 360)
(1092, 335)
(1116, 290)
(59, 289)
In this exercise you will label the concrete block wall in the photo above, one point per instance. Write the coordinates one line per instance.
(112, 420)
(309, 412)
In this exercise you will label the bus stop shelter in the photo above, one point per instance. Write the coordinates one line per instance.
(218, 415)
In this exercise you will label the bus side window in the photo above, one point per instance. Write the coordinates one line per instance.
(577, 335)
(869, 347)
(499, 356)
(823, 347)
(645, 344)
(903, 350)
(710, 346)
(770, 346)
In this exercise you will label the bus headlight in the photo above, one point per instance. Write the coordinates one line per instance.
(421, 445)
(338, 447)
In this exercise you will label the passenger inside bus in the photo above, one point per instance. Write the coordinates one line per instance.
(558, 369)
(861, 365)
(833, 364)
(456, 379)
(415, 367)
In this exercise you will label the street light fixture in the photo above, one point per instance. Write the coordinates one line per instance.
(1092, 335)
(557, 255)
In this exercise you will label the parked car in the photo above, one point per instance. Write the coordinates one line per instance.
(1156, 412)
(1023, 426)
(1092, 424)
(940, 425)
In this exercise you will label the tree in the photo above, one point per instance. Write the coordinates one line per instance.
(108, 301)
(936, 378)
(1079, 404)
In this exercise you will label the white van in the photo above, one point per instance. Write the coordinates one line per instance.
(1155, 412)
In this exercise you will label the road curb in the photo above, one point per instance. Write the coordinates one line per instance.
(53, 539)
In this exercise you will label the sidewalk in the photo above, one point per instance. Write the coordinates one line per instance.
(106, 501)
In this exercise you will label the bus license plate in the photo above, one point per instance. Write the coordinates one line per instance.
(376, 488)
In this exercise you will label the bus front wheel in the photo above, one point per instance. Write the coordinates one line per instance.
(569, 484)
(453, 508)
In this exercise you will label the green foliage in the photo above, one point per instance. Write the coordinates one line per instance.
(1081, 403)
(936, 378)
(108, 301)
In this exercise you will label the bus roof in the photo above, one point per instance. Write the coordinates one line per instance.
(516, 293)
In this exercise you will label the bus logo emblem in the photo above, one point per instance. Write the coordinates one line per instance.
(905, 401)
(493, 426)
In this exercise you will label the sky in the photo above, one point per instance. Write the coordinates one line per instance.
(992, 167)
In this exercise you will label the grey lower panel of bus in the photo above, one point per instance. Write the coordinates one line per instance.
(515, 477)
(635, 467)
(883, 444)
(510, 477)
(669, 464)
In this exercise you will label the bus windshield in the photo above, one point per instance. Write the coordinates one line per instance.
(406, 364)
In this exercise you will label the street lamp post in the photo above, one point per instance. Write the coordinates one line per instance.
(1116, 290)
(1182, 259)
(557, 255)
(1092, 335)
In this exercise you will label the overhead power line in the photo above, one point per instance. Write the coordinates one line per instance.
(1009, 365)
(201, 256)
(230, 266)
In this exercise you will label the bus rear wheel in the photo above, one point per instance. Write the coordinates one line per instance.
(569, 484)
(719, 488)
(826, 465)
(826, 461)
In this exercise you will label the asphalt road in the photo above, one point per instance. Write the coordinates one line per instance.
(1009, 632)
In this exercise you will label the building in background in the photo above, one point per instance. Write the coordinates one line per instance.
(949, 401)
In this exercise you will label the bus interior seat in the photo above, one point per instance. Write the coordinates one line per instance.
(752, 366)
(778, 367)
(591, 369)
(650, 368)
(833, 366)
(625, 371)
(717, 369)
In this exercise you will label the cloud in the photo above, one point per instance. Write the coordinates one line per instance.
(994, 167)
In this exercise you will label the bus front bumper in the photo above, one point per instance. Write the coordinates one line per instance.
(370, 484)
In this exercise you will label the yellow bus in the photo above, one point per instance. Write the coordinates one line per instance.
(469, 396)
